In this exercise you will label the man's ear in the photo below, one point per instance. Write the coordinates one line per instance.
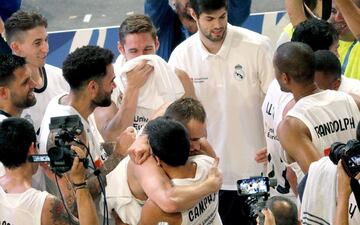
(285, 78)
(4, 92)
(158, 163)
(336, 84)
(157, 43)
(121, 48)
(193, 14)
(32, 149)
(16, 48)
(92, 88)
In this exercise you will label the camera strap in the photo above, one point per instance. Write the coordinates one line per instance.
(355, 186)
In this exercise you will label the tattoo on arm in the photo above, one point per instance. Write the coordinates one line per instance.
(59, 216)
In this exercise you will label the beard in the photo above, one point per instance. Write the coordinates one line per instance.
(211, 37)
(102, 100)
(24, 103)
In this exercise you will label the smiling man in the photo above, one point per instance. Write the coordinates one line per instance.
(231, 70)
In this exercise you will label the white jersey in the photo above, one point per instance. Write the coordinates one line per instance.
(54, 84)
(119, 196)
(349, 85)
(330, 116)
(56, 109)
(273, 106)
(22, 208)
(204, 212)
(231, 85)
(320, 195)
(161, 87)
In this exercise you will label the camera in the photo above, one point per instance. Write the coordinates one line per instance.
(63, 131)
(349, 154)
(257, 189)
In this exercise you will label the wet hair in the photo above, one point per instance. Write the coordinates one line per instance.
(297, 60)
(207, 6)
(136, 24)
(318, 34)
(328, 63)
(186, 109)
(22, 21)
(169, 140)
(16, 136)
(284, 210)
(86, 63)
(8, 65)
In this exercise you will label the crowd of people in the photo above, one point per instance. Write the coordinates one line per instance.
(193, 104)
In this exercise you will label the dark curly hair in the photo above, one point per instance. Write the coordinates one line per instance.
(8, 65)
(86, 63)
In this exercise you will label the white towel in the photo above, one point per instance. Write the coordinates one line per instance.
(161, 87)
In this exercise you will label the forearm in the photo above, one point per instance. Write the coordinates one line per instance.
(351, 14)
(86, 207)
(124, 116)
(184, 197)
(108, 166)
(295, 10)
(341, 217)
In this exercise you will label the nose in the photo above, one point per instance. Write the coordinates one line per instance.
(195, 145)
(32, 83)
(45, 47)
(113, 85)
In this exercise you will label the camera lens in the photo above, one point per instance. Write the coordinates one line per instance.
(337, 150)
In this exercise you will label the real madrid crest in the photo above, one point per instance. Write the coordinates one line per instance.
(239, 73)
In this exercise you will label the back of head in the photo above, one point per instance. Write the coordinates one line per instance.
(86, 63)
(16, 136)
(318, 34)
(169, 140)
(207, 6)
(297, 60)
(284, 210)
(20, 22)
(327, 63)
(186, 109)
(136, 24)
(8, 65)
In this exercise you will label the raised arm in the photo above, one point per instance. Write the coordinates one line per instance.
(295, 138)
(157, 186)
(351, 13)
(295, 10)
(111, 120)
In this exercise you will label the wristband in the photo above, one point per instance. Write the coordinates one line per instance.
(80, 187)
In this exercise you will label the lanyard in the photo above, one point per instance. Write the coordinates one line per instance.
(346, 59)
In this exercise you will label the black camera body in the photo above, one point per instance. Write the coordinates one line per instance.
(349, 154)
(257, 189)
(63, 131)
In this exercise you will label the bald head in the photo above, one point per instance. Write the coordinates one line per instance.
(296, 60)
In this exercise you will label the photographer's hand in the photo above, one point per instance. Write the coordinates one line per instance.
(78, 171)
(344, 191)
(269, 217)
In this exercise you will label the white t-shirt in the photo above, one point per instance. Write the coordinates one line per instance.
(330, 116)
(54, 84)
(206, 210)
(320, 195)
(231, 85)
(22, 208)
(161, 87)
(273, 106)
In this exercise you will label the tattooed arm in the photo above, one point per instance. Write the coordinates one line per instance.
(53, 212)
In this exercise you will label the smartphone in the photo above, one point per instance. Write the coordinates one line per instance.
(39, 158)
(253, 186)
